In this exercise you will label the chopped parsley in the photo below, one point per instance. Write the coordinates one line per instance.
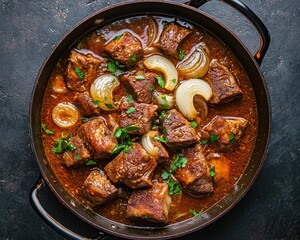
(90, 162)
(173, 80)
(97, 103)
(47, 131)
(63, 145)
(193, 124)
(214, 138)
(124, 139)
(140, 77)
(109, 106)
(130, 99)
(196, 213)
(212, 173)
(123, 132)
(204, 141)
(179, 162)
(133, 57)
(180, 53)
(160, 139)
(78, 157)
(160, 81)
(232, 138)
(79, 45)
(151, 88)
(165, 105)
(84, 119)
(118, 37)
(79, 73)
(115, 67)
(130, 110)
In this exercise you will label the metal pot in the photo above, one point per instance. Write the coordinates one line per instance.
(190, 13)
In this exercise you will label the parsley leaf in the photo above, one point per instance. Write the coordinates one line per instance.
(180, 53)
(178, 162)
(165, 175)
(160, 81)
(130, 110)
(212, 173)
(79, 73)
(164, 140)
(130, 99)
(114, 67)
(90, 162)
(78, 157)
(151, 88)
(84, 119)
(122, 132)
(140, 77)
(232, 138)
(63, 145)
(47, 131)
(109, 106)
(173, 80)
(196, 213)
(97, 102)
(118, 37)
(193, 124)
(204, 141)
(214, 137)
(133, 57)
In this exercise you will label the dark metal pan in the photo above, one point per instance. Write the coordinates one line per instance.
(190, 13)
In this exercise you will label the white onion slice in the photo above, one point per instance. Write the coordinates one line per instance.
(65, 115)
(185, 94)
(196, 65)
(164, 100)
(102, 90)
(148, 145)
(165, 66)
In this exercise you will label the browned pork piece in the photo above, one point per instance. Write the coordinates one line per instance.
(223, 83)
(85, 104)
(81, 69)
(134, 169)
(178, 130)
(152, 204)
(97, 188)
(171, 38)
(141, 83)
(125, 48)
(97, 138)
(78, 156)
(194, 177)
(138, 114)
(225, 132)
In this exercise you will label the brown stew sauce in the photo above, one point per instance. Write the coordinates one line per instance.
(227, 172)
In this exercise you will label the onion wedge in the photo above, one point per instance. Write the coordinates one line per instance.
(164, 65)
(148, 145)
(185, 95)
(65, 115)
(102, 91)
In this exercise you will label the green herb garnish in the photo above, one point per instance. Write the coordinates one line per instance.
(193, 124)
(90, 162)
(133, 57)
(109, 106)
(214, 138)
(123, 132)
(97, 103)
(140, 77)
(79, 73)
(63, 145)
(124, 140)
(84, 119)
(118, 37)
(151, 88)
(78, 157)
(47, 131)
(212, 173)
(160, 139)
(115, 67)
(173, 80)
(179, 162)
(130, 110)
(180, 53)
(130, 99)
(204, 141)
(232, 138)
(160, 81)
(196, 213)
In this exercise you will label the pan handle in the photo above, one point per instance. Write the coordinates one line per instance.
(250, 15)
(37, 206)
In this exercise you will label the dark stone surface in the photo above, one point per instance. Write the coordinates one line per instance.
(29, 29)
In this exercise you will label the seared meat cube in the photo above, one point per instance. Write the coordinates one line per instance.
(97, 188)
(194, 177)
(225, 131)
(171, 38)
(138, 114)
(78, 156)
(158, 151)
(97, 138)
(178, 130)
(127, 49)
(134, 169)
(140, 83)
(222, 82)
(152, 204)
(81, 69)
(86, 105)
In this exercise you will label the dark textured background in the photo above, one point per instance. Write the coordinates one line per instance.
(29, 29)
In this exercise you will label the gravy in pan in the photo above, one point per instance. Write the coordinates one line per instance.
(225, 165)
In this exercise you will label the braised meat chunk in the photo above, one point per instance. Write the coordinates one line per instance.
(85, 104)
(134, 169)
(152, 204)
(125, 48)
(195, 177)
(81, 69)
(141, 83)
(225, 132)
(223, 83)
(78, 156)
(138, 114)
(178, 130)
(171, 38)
(97, 188)
(97, 138)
